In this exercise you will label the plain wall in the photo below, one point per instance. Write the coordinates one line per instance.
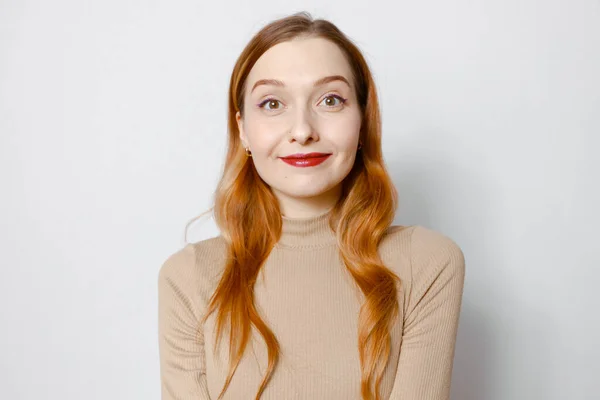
(113, 133)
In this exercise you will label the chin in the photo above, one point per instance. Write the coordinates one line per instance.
(303, 191)
(302, 194)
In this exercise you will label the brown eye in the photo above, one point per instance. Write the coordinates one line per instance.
(270, 104)
(333, 101)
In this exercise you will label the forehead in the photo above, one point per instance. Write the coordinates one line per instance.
(300, 61)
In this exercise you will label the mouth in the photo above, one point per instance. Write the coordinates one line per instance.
(306, 155)
(305, 160)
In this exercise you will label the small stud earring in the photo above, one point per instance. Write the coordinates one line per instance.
(248, 152)
(359, 145)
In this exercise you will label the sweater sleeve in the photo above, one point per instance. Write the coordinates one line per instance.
(181, 342)
(431, 318)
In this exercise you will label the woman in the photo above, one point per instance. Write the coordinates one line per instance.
(308, 292)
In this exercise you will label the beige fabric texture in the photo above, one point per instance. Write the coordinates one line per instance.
(310, 301)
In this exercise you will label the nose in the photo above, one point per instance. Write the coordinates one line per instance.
(303, 126)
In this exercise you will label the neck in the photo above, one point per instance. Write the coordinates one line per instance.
(306, 232)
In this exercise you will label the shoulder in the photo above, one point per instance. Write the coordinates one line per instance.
(194, 264)
(437, 265)
(425, 251)
(435, 249)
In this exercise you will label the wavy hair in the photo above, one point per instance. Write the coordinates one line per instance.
(248, 216)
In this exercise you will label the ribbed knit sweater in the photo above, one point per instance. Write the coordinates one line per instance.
(310, 301)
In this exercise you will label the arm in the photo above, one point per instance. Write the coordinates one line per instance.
(431, 318)
(181, 342)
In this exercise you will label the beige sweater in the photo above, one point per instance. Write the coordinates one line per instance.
(309, 300)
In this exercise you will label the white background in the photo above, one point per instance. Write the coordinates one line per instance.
(113, 129)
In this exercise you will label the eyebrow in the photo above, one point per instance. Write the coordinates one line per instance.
(318, 82)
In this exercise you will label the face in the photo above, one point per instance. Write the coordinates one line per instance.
(299, 99)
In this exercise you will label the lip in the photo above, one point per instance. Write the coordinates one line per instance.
(306, 159)
(307, 155)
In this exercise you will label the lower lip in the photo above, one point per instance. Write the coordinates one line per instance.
(305, 162)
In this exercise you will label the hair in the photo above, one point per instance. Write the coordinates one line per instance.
(248, 215)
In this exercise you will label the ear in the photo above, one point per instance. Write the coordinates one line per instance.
(240, 125)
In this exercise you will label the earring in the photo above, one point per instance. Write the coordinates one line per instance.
(359, 145)
(248, 152)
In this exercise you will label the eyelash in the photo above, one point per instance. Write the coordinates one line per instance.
(340, 98)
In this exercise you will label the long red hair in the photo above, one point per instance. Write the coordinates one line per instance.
(248, 216)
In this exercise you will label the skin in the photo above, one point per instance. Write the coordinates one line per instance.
(301, 118)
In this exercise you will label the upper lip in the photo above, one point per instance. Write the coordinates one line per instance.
(306, 155)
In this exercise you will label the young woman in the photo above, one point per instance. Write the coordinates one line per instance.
(308, 292)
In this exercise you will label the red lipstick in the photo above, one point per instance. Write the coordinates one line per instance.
(305, 160)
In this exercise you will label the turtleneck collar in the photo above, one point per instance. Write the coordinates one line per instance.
(308, 232)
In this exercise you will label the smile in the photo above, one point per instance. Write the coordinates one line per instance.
(305, 160)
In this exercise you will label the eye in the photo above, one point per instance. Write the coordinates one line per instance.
(333, 100)
(270, 104)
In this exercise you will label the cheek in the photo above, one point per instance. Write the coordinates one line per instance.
(262, 134)
(344, 132)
